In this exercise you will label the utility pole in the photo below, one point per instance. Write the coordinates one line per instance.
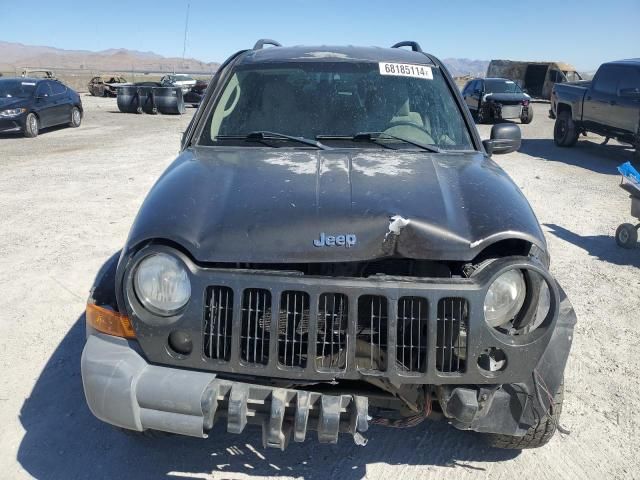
(186, 28)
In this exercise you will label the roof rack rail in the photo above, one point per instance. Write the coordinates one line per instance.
(415, 46)
(265, 41)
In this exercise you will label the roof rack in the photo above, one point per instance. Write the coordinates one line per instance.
(265, 41)
(415, 46)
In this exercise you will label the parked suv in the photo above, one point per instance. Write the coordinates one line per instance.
(609, 105)
(497, 99)
(333, 247)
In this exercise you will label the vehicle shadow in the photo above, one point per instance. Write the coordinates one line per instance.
(63, 440)
(603, 247)
(585, 154)
(20, 135)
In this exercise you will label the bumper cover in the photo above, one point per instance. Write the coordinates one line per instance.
(14, 124)
(122, 389)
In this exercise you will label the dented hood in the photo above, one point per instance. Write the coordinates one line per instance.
(267, 205)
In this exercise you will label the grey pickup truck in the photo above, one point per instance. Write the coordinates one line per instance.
(608, 105)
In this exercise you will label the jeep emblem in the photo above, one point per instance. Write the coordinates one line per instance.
(347, 240)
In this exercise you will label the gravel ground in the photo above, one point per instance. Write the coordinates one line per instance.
(67, 200)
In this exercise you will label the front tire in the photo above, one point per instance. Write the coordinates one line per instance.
(565, 133)
(538, 435)
(32, 126)
(76, 117)
(528, 118)
(627, 235)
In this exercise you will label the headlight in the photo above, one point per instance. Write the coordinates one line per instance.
(162, 284)
(13, 112)
(505, 298)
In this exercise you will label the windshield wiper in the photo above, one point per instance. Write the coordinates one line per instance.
(375, 136)
(266, 135)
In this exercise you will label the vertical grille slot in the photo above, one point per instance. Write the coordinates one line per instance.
(371, 333)
(411, 351)
(293, 329)
(256, 321)
(331, 340)
(452, 328)
(217, 323)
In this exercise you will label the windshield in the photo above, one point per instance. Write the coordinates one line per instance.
(327, 100)
(501, 86)
(572, 76)
(16, 88)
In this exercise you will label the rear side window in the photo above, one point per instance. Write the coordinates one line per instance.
(57, 88)
(606, 80)
(43, 89)
(630, 80)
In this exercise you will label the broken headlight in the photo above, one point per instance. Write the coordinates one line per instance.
(505, 298)
(162, 284)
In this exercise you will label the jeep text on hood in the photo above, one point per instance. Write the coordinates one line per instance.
(333, 248)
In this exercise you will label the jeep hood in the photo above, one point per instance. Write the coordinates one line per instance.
(268, 205)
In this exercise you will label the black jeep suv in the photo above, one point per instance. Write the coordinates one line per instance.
(333, 247)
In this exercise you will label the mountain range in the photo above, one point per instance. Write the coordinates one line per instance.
(16, 56)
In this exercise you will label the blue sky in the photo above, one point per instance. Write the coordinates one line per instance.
(584, 33)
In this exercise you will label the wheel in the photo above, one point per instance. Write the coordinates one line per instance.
(565, 133)
(536, 436)
(528, 118)
(480, 118)
(627, 235)
(32, 126)
(76, 117)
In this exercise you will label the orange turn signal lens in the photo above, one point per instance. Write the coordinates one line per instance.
(109, 322)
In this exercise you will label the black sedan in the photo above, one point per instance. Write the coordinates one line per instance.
(29, 104)
(492, 99)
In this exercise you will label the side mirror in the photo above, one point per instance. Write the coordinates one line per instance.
(505, 138)
(525, 90)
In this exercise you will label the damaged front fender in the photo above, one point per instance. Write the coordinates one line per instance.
(512, 409)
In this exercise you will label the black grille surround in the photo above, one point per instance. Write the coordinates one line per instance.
(295, 336)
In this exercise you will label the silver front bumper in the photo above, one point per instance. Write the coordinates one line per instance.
(511, 111)
(122, 389)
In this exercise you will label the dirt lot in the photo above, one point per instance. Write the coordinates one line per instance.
(67, 199)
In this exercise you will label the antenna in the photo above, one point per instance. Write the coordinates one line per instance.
(186, 29)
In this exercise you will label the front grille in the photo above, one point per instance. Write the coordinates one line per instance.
(293, 329)
(371, 333)
(317, 332)
(411, 351)
(256, 322)
(452, 328)
(331, 339)
(218, 314)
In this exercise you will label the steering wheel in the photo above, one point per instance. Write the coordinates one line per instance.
(404, 123)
